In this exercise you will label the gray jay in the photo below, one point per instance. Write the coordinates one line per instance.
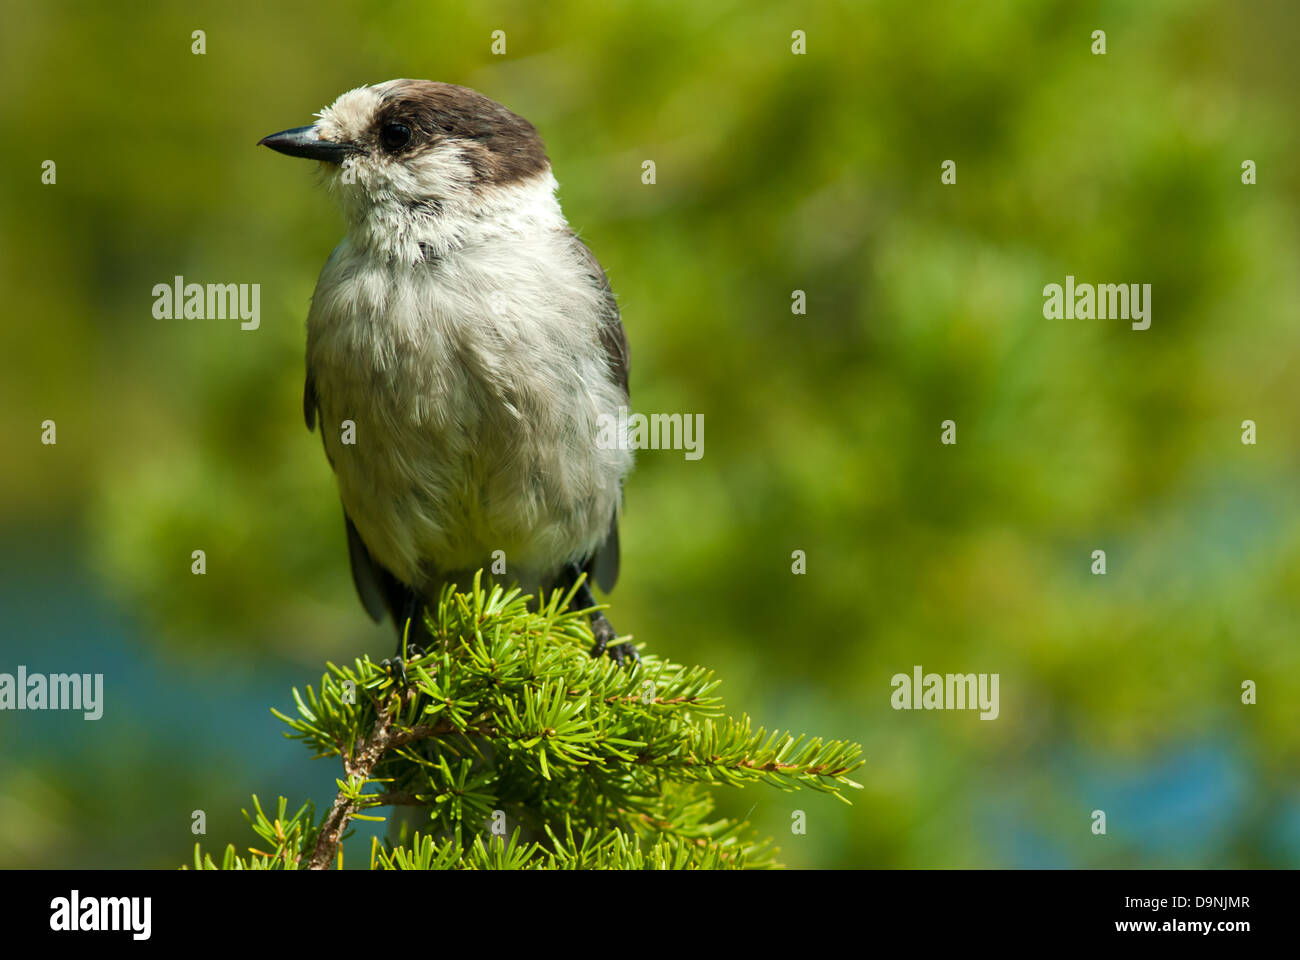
(463, 349)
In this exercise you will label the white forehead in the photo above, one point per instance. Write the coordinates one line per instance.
(352, 112)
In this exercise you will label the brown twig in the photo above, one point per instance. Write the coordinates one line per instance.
(357, 768)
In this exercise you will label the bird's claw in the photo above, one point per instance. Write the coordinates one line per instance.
(395, 666)
(624, 653)
(620, 653)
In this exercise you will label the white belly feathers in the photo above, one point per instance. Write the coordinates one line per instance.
(475, 411)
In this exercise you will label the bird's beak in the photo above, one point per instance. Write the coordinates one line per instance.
(306, 142)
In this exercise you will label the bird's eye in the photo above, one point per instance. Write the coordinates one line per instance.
(395, 136)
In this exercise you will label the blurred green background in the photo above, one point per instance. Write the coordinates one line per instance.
(775, 172)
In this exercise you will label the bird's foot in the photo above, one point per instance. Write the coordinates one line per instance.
(395, 666)
(624, 654)
(620, 653)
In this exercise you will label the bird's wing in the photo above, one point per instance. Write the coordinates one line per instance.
(368, 577)
(309, 401)
(602, 566)
(366, 574)
(612, 335)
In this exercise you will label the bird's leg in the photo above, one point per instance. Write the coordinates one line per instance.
(413, 632)
(410, 629)
(600, 625)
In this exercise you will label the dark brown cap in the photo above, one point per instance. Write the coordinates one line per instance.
(502, 147)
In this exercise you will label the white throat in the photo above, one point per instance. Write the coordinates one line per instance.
(384, 221)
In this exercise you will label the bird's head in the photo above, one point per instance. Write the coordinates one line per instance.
(406, 153)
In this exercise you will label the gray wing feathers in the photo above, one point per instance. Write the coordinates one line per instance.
(309, 401)
(603, 564)
(364, 575)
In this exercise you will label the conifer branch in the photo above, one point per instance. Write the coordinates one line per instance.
(507, 722)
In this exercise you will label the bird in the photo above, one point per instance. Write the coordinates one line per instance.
(465, 357)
